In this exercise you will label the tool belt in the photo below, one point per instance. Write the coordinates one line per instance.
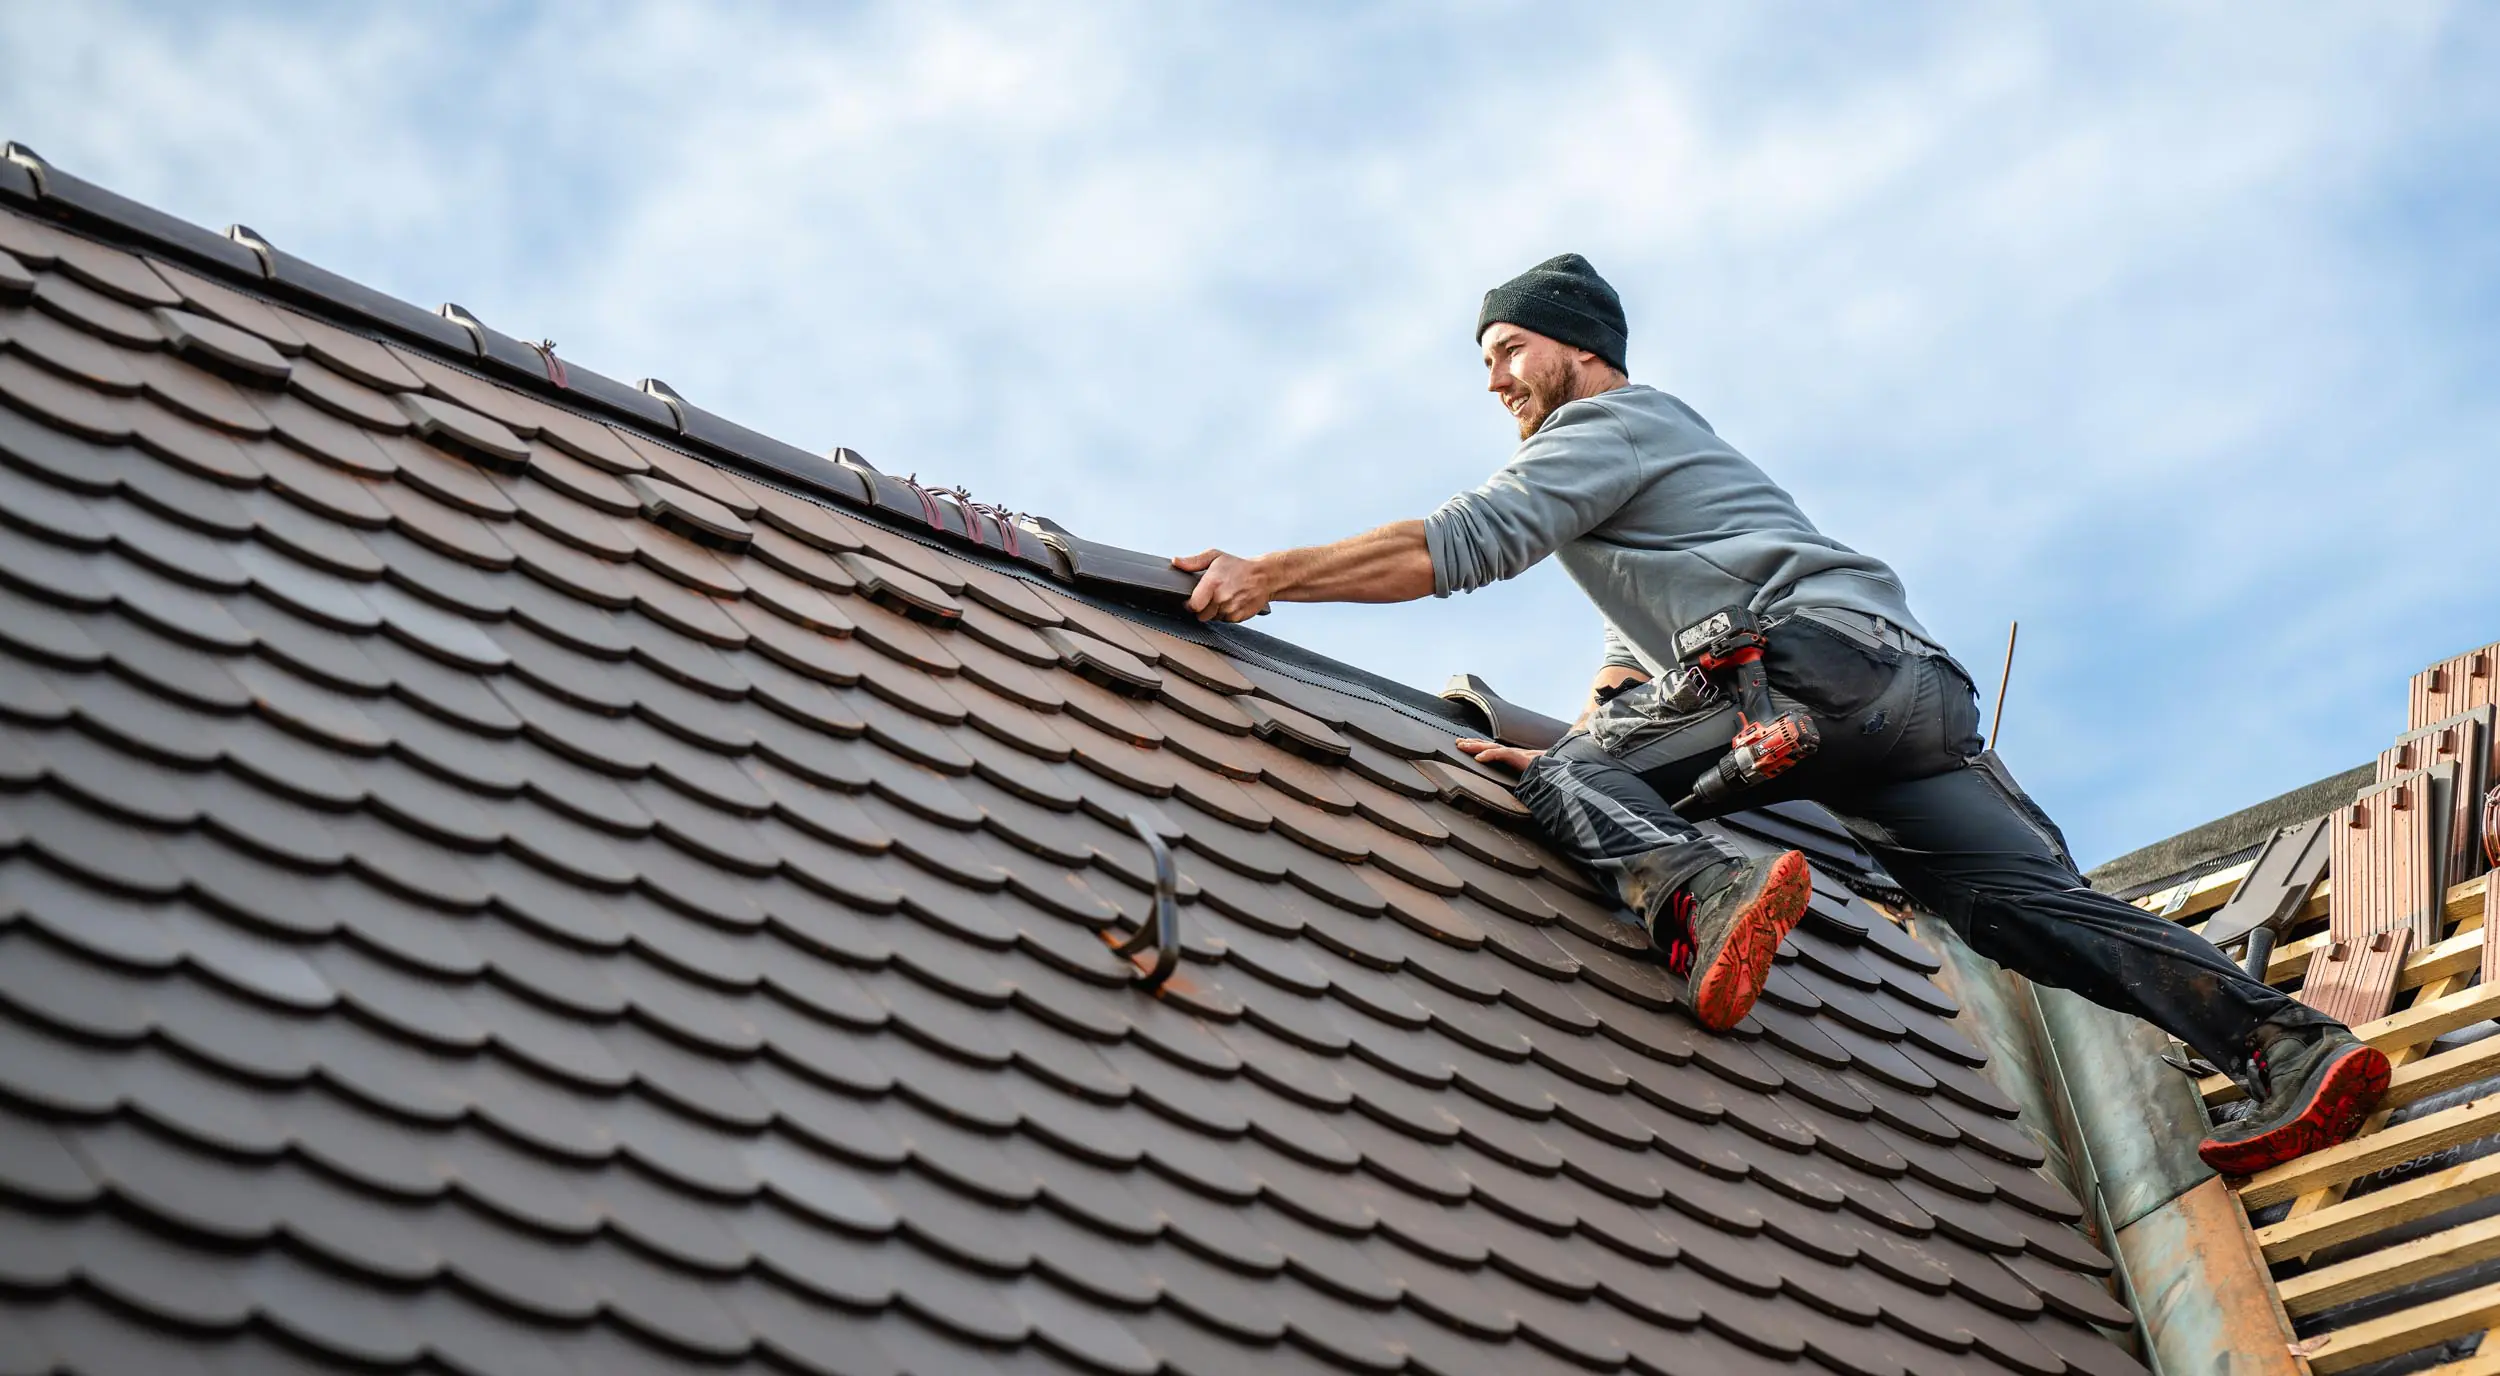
(1728, 645)
(1871, 632)
(1652, 723)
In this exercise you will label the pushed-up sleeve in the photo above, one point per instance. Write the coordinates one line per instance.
(1566, 479)
(1619, 652)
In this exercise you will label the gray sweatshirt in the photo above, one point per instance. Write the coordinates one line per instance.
(1659, 521)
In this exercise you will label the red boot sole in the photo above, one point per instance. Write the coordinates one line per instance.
(1725, 993)
(2352, 1086)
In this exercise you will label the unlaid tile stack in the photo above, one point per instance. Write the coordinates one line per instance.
(2408, 837)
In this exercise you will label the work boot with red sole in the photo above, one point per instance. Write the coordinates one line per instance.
(1720, 931)
(2317, 1090)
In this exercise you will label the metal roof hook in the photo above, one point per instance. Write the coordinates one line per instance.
(1162, 929)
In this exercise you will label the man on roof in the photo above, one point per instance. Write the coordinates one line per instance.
(1663, 523)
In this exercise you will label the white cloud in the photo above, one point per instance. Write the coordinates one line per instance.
(2135, 324)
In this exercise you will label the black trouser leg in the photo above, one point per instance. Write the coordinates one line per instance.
(1967, 852)
(1902, 766)
(1604, 816)
(1973, 848)
(1601, 794)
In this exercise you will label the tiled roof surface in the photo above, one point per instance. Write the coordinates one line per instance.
(482, 890)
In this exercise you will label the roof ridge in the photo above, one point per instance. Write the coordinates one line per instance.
(455, 336)
(1123, 578)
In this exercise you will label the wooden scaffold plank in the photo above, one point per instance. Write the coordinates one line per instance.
(2423, 1258)
(2395, 1206)
(2360, 1156)
(2406, 1330)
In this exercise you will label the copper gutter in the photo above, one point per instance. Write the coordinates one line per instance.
(2125, 1126)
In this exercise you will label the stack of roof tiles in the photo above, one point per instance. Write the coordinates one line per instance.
(510, 878)
(2407, 838)
(2382, 1247)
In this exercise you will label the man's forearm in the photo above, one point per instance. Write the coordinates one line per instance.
(1389, 564)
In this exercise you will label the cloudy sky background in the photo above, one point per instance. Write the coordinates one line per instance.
(2172, 331)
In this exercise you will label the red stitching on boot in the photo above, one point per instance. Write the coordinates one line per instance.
(1680, 947)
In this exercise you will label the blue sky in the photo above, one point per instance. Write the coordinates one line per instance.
(2172, 331)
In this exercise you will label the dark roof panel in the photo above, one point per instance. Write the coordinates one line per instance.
(461, 911)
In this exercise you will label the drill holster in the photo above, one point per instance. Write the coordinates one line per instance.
(1727, 646)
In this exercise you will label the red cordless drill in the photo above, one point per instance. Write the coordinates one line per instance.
(1728, 644)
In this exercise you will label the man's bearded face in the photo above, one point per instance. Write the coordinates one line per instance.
(1547, 379)
(1532, 374)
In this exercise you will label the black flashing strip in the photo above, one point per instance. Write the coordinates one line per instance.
(584, 384)
(815, 470)
(947, 512)
(144, 222)
(1266, 651)
(914, 503)
(1318, 670)
(389, 312)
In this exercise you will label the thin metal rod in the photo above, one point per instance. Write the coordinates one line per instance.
(2012, 629)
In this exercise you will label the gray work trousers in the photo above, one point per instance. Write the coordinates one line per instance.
(1901, 765)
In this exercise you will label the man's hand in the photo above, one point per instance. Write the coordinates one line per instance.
(1494, 752)
(1390, 564)
(1229, 588)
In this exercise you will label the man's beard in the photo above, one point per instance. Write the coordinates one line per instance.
(1548, 389)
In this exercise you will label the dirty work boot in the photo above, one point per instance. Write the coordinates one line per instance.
(1720, 928)
(2313, 1086)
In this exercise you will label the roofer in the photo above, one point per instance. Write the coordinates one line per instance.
(1662, 524)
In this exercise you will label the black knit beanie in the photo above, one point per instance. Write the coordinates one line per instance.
(1563, 299)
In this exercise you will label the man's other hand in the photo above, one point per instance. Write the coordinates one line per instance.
(1229, 588)
(1496, 753)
